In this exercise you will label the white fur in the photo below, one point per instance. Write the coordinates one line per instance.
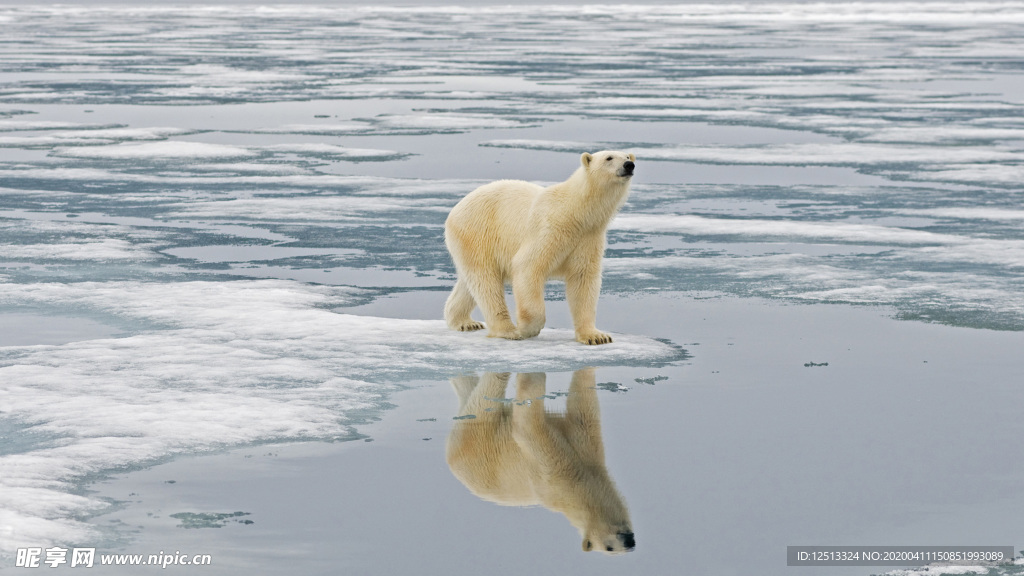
(518, 233)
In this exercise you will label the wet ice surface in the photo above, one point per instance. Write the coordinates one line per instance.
(723, 460)
(207, 214)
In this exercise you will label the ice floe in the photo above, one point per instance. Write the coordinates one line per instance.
(215, 364)
(991, 164)
(173, 150)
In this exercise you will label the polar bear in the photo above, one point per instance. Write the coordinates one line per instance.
(517, 454)
(511, 231)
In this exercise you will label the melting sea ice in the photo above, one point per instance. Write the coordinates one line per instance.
(198, 195)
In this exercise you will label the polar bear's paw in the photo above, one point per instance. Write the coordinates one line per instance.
(503, 329)
(527, 332)
(593, 337)
(469, 326)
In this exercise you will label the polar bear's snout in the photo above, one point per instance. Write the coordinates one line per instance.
(627, 168)
(620, 543)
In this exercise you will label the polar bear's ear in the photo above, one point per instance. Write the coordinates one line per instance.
(585, 159)
(587, 546)
(632, 157)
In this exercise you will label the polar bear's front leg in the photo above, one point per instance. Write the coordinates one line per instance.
(582, 287)
(528, 290)
(583, 412)
(529, 419)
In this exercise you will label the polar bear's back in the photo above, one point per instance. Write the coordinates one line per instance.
(491, 222)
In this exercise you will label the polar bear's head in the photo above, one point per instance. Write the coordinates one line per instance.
(609, 165)
(604, 524)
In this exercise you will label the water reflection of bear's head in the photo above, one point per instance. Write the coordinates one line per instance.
(514, 453)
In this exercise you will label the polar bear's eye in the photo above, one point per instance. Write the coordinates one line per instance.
(609, 158)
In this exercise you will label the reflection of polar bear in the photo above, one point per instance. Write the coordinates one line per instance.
(518, 232)
(519, 455)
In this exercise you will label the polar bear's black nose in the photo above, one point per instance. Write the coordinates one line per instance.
(628, 542)
(628, 166)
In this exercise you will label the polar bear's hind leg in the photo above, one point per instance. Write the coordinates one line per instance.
(488, 290)
(458, 307)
